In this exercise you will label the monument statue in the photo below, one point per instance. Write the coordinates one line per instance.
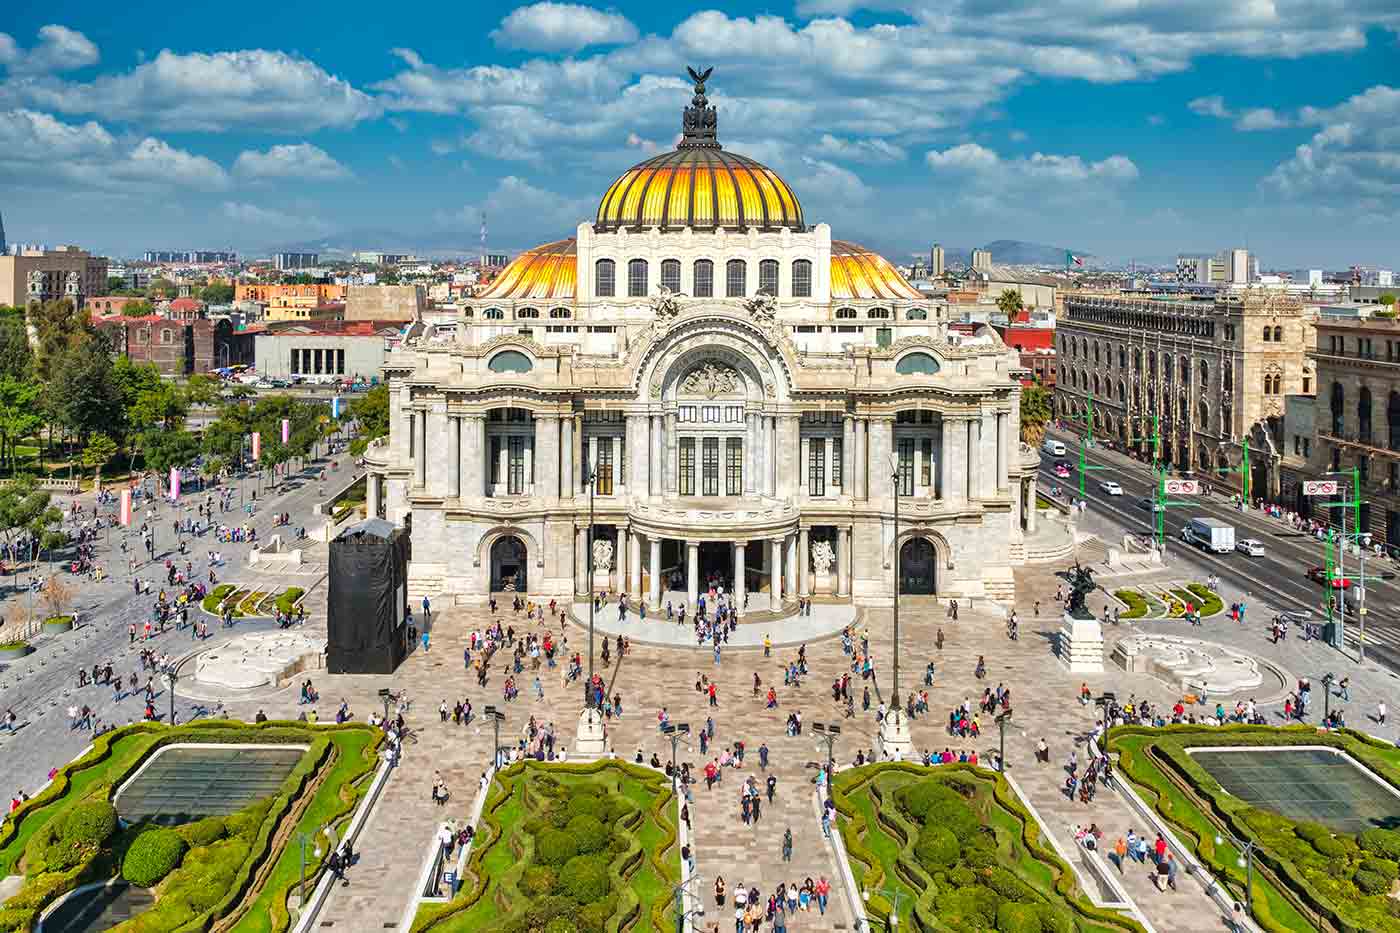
(602, 556)
(712, 379)
(762, 307)
(1081, 584)
(666, 304)
(822, 557)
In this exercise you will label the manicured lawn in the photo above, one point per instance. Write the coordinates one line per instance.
(961, 850)
(554, 842)
(1305, 874)
(1137, 606)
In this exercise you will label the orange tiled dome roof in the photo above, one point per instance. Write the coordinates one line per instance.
(700, 187)
(856, 272)
(545, 272)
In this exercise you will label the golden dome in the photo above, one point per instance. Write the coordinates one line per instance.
(858, 273)
(545, 272)
(699, 185)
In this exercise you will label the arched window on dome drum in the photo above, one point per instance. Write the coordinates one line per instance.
(916, 314)
(704, 285)
(468, 313)
(523, 313)
(560, 313)
(510, 361)
(911, 364)
(671, 274)
(879, 314)
(494, 314)
(768, 277)
(636, 278)
(605, 278)
(845, 314)
(802, 278)
(736, 276)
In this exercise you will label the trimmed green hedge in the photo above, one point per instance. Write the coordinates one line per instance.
(1137, 606)
(287, 600)
(216, 596)
(152, 855)
(1210, 602)
(1311, 875)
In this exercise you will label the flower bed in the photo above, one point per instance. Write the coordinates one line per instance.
(248, 605)
(206, 870)
(1137, 606)
(1305, 874)
(216, 596)
(961, 849)
(1210, 602)
(578, 847)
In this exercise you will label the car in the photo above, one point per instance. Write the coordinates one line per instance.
(1318, 575)
(1250, 546)
(1062, 471)
(1112, 488)
(1146, 502)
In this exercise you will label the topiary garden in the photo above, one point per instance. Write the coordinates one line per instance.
(961, 849)
(1306, 875)
(568, 848)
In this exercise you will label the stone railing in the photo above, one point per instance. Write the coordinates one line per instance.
(778, 511)
(67, 486)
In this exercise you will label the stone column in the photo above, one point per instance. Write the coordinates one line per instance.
(753, 458)
(803, 464)
(547, 456)
(692, 574)
(859, 458)
(582, 560)
(638, 454)
(881, 444)
(791, 568)
(770, 453)
(1030, 495)
(566, 457)
(775, 572)
(654, 486)
(672, 456)
(954, 465)
(848, 444)
(479, 455)
(1003, 449)
(621, 556)
(372, 495)
(634, 583)
(655, 581)
(804, 562)
(788, 480)
(454, 457)
(420, 448)
(829, 464)
(975, 481)
(843, 561)
(739, 588)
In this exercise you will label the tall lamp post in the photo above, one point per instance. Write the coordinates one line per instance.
(674, 733)
(1245, 861)
(894, 731)
(1003, 719)
(828, 733)
(170, 678)
(592, 480)
(496, 717)
(895, 893)
(1327, 680)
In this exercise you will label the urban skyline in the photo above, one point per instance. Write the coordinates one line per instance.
(1131, 135)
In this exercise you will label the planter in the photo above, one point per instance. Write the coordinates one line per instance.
(56, 625)
(14, 651)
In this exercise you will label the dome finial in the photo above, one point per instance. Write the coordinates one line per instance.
(698, 125)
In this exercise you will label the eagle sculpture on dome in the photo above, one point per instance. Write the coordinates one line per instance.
(700, 77)
(698, 123)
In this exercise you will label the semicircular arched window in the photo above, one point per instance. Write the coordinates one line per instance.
(510, 361)
(916, 314)
(912, 364)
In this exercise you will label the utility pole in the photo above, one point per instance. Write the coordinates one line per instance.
(1243, 470)
(1338, 582)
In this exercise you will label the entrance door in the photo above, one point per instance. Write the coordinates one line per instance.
(917, 568)
(717, 564)
(509, 563)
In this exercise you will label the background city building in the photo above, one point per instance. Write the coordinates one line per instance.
(44, 275)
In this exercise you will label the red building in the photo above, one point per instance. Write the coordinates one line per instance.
(177, 348)
(1035, 343)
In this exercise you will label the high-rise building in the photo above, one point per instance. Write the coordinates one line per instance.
(1237, 266)
(936, 264)
(3, 250)
(194, 256)
(981, 260)
(287, 261)
(42, 275)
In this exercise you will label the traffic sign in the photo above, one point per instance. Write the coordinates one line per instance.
(1320, 487)
(1182, 487)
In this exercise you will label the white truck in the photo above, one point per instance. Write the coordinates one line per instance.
(1210, 533)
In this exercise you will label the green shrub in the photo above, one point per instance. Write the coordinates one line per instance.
(584, 878)
(546, 908)
(153, 855)
(962, 876)
(588, 833)
(561, 925)
(1384, 843)
(539, 880)
(555, 847)
(980, 855)
(91, 822)
(936, 848)
(593, 918)
(1018, 918)
(1382, 866)
(288, 599)
(1006, 884)
(586, 805)
(1329, 847)
(203, 832)
(1137, 606)
(1369, 882)
(1054, 919)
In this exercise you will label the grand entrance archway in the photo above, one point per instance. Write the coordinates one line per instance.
(509, 565)
(716, 564)
(917, 568)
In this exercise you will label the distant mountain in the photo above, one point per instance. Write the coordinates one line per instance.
(1021, 253)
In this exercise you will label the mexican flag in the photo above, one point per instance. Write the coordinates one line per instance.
(1073, 260)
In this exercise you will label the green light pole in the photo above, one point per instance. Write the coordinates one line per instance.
(1084, 467)
(1354, 503)
(1159, 490)
(1243, 470)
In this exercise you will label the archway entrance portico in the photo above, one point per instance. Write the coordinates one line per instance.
(509, 565)
(918, 568)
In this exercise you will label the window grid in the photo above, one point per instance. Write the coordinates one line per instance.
(515, 454)
(671, 274)
(768, 277)
(704, 286)
(816, 466)
(709, 467)
(926, 468)
(637, 278)
(605, 467)
(605, 279)
(685, 478)
(802, 279)
(837, 457)
(734, 467)
(736, 276)
(906, 466)
(495, 459)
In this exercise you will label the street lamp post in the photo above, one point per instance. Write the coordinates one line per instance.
(893, 921)
(496, 717)
(681, 913)
(1245, 861)
(674, 733)
(1002, 720)
(592, 480)
(170, 678)
(304, 837)
(1327, 680)
(894, 731)
(828, 733)
(1341, 591)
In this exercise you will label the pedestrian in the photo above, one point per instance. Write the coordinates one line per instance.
(425, 641)
(787, 844)
(1120, 851)
(1380, 712)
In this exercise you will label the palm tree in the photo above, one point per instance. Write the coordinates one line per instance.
(1009, 303)
(1035, 413)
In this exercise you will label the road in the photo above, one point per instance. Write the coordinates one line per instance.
(1278, 578)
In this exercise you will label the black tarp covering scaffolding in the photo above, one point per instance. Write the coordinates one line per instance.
(366, 630)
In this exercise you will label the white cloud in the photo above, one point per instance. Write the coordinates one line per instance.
(37, 148)
(1249, 120)
(1212, 106)
(268, 90)
(271, 224)
(986, 183)
(557, 27)
(1352, 156)
(301, 161)
(59, 49)
(859, 150)
(520, 214)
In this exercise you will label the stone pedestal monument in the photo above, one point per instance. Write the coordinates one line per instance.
(591, 741)
(1080, 642)
(893, 742)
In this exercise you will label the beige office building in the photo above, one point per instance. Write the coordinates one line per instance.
(66, 272)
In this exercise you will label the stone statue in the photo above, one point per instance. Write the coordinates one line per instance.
(712, 379)
(666, 304)
(822, 557)
(602, 556)
(1081, 584)
(762, 307)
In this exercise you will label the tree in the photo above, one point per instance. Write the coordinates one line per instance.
(202, 390)
(16, 357)
(84, 393)
(217, 294)
(115, 283)
(1387, 299)
(1035, 413)
(166, 449)
(25, 507)
(99, 450)
(19, 415)
(138, 309)
(372, 412)
(57, 595)
(1009, 303)
(59, 328)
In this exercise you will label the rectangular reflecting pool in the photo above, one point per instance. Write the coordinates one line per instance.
(184, 783)
(1316, 784)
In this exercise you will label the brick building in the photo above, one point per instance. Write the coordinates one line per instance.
(177, 348)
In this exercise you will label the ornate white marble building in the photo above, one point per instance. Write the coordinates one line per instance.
(745, 393)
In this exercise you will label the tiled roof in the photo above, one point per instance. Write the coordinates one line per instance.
(857, 273)
(546, 273)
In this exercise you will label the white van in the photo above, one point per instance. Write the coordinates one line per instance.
(1052, 447)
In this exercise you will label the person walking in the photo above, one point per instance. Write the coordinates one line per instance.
(1380, 712)
(787, 844)
(1120, 851)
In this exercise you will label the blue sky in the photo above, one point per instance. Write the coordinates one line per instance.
(1123, 129)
